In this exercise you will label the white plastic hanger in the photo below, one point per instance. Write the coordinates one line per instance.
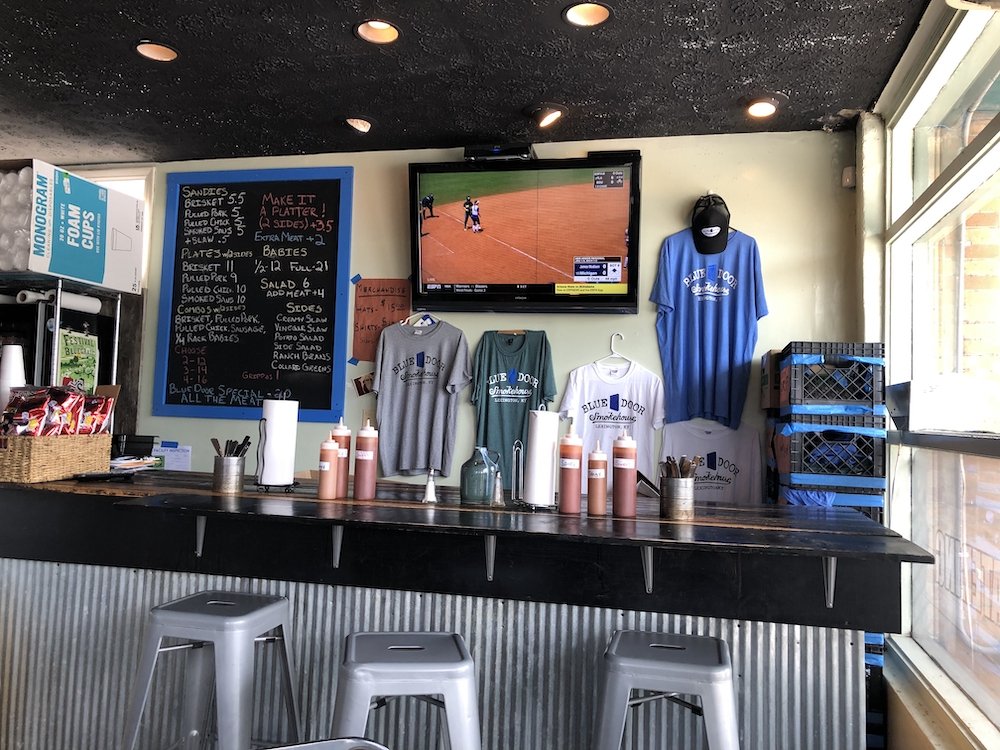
(419, 320)
(614, 352)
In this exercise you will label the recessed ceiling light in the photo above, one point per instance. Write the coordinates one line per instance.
(361, 124)
(377, 31)
(762, 107)
(587, 14)
(157, 51)
(545, 114)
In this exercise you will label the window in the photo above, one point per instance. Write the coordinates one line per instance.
(943, 301)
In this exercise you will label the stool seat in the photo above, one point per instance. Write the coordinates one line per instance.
(220, 628)
(390, 664)
(673, 664)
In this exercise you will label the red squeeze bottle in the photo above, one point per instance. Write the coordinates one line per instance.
(328, 459)
(597, 482)
(365, 462)
(342, 434)
(570, 469)
(623, 490)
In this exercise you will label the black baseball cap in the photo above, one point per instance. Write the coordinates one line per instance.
(710, 224)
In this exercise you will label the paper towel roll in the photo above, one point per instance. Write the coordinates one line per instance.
(276, 450)
(540, 464)
(11, 371)
(26, 298)
(80, 302)
(7, 299)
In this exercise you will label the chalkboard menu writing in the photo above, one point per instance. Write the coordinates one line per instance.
(253, 303)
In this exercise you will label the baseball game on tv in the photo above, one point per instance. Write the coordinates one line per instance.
(546, 235)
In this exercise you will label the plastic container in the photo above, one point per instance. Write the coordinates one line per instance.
(478, 477)
(597, 482)
(570, 471)
(365, 462)
(328, 462)
(623, 453)
(342, 434)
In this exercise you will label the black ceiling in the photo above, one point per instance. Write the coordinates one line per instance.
(267, 78)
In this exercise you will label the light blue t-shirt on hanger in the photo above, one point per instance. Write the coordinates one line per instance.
(706, 325)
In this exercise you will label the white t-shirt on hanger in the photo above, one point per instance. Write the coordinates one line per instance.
(603, 398)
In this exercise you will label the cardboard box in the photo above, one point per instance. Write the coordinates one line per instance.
(770, 380)
(83, 231)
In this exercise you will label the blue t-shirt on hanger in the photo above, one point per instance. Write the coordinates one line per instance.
(706, 325)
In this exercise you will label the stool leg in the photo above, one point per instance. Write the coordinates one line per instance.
(291, 681)
(234, 690)
(350, 708)
(461, 706)
(143, 681)
(612, 710)
(721, 724)
(198, 676)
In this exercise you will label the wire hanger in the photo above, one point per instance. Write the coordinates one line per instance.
(614, 352)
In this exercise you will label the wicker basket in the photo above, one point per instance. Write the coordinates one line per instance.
(44, 459)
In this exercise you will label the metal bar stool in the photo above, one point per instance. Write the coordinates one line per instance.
(343, 743)
(672, 665)
(223, 625)
(417, 664)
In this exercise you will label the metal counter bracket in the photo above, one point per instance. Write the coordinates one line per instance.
(647, 567)
(829, 579)
(491, 555)
(199, 535)
(338, 543)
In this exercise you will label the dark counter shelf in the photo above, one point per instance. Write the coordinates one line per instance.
(825, 567)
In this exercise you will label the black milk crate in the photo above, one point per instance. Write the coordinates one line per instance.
(835, 446)
(832, 374)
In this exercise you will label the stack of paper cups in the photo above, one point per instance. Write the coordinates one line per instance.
(540, 466)
(11, 371)
(276, 453)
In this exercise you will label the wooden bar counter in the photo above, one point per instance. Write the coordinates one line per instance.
(809, 566)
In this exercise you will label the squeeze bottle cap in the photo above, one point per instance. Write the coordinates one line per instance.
(340, 428)
(624, 440)
(571, 437)
(368, 430)
(597, 452)
(330, 443)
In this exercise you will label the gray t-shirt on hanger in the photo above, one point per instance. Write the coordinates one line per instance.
(419, 372)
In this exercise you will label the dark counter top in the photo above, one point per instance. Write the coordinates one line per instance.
(764, 529)
(815, 566)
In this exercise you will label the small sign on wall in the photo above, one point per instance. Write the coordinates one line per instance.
(377, 303)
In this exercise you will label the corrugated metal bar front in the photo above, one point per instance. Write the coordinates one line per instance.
(70, 635)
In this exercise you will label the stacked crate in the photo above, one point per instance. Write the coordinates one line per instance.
(826, 432)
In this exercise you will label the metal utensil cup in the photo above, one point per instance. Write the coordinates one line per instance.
(677, 498)
(227, 478)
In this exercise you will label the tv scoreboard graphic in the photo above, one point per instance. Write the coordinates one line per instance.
(610, 178)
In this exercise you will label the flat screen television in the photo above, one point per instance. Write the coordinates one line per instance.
(544, 235)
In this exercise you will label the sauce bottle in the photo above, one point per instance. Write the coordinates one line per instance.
(624, 484)
(342, 434)
(365, 462)
(329, 456)
(597, 482)
(570, 469)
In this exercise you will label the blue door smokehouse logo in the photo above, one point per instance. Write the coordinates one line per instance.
(719, 471)
(615, 409)
(512, 386)
(711, 282)
(421, 366)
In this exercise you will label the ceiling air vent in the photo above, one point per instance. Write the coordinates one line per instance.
(974, 4)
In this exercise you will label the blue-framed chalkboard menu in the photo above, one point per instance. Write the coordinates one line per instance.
(254, 292)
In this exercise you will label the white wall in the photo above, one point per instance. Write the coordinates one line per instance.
(783, 189)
